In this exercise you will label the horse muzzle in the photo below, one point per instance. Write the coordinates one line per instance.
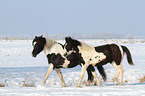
(33, 55)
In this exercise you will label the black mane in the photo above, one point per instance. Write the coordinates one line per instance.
(73, 41)
(61, 45)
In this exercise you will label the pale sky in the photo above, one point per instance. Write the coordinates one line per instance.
(72, 16)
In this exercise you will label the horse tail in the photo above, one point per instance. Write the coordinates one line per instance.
(102, 72)
(129, 58)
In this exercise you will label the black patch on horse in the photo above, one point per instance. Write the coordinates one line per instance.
(74, 60)
(56, 60)
(61, 45)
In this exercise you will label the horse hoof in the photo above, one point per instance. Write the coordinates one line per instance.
(121, 84)
(99, 85)
(88, 84)
(63, 86)
(94, 83)
(79, 87)
(116, 83)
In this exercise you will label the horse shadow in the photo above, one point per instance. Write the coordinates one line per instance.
(124, 84)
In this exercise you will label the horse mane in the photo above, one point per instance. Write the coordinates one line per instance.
(85, 46)
(50, 42)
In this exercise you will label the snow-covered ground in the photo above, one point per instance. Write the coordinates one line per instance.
(22, 75)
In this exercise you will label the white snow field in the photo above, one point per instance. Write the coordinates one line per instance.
(22, 75)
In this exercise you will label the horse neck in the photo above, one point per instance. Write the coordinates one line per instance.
(49, 43)
(85, 46)
(53, 46)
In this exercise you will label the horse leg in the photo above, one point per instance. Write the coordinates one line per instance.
(50, 69)
(117, 74)
(84, 67)
(120, 71)
(90, 76)
(121, 74)
(95, 75)
(60, 76)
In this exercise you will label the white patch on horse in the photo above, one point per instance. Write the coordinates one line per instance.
(96, 58)
(69, 52)
(85, 46)
(34, 43)
(89, 52)
(49, 42)
(53, 47)
(66, 63)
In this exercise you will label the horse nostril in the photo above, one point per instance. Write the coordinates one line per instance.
(33, 55)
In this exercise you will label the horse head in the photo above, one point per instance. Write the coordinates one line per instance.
(38, 44)
(68, 45)
(71, 44)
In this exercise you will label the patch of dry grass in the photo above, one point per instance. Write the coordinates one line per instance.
(142, 80)
(27, 84)
(2, 85)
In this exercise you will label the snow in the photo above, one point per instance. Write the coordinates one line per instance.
(22, 74)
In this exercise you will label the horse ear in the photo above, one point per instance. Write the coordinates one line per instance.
(70, 38)
(35, 36)
(66, 39)
(41, 36)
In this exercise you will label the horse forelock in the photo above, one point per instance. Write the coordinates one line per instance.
(40, 39)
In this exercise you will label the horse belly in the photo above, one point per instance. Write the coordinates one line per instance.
(96, 58)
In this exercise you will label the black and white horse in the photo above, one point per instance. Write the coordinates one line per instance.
(58, 58)
(100, 55)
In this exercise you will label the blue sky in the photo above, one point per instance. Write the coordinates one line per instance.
(72, 16)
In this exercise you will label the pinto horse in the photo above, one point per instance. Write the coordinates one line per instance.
(58, 58)
(100, 55)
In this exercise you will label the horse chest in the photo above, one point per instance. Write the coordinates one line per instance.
(58, 60)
